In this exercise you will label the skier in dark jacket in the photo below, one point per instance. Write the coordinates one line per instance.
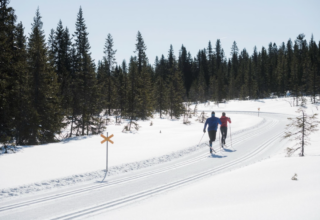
(224, 128)
(212, 128)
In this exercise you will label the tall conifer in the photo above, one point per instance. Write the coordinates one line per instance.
(46, 118)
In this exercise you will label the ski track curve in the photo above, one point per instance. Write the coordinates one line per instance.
(141, 195)
(238, 137)
(139, 176)
(114, 170)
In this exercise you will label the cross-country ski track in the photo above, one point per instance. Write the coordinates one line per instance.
(251, 145)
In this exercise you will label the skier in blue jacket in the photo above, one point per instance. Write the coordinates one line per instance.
(212, 128)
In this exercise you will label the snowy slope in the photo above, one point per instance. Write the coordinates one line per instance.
(188, 184)
(84, 158)
(263, 190)
(260, 191)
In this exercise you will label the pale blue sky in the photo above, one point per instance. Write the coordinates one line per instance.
(191, 23)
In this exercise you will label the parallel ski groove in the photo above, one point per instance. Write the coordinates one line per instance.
(147, 193)
(236, 140)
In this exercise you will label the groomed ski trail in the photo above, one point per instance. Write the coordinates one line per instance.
(140, 184)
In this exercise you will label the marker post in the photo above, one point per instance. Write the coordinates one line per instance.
(106, 139)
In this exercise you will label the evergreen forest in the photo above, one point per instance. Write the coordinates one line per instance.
(50, 83)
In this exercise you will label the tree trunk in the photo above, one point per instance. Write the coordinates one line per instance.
(71, 125)
(303, 131)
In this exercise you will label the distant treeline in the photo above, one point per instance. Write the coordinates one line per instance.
(45, 86)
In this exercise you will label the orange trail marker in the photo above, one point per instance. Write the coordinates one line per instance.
(106, 139)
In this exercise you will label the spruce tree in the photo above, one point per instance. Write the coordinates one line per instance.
(7, 78)
(234, 70)
(22, 96)
(185, 67)
(312, 68)
(132, 75)
(175, 86)
(60, 51)
(110, 58)
(219, 70)
(142, 90)
(264, 74)
(46, 117)
(280, 70)
(288, 75)
(176, 107)
(125, 89)
(86, 85)
(161, 87)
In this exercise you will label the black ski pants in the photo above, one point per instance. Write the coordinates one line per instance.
(224, 131)
(212, 136)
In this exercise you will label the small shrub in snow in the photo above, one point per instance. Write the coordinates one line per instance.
(109, 121)
(303, 102)
(8, 143)
(187, 114)
(195, 111)
(202, 117)
(295, 177)
(131, 125)
(118, 120)
(186, 119)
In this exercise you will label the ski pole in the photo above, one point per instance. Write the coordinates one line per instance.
(201, 139)
(219, 139)
(231, 136)
(220, 143)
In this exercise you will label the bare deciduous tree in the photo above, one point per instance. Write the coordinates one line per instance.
(302, 127)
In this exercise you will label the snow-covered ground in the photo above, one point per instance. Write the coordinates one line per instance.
(262, 190)
(84, 158)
